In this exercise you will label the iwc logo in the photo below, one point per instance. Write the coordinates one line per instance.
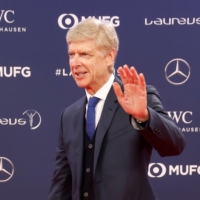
(7, 22)
(6, 169)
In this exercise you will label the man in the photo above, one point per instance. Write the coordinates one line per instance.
(110, 162)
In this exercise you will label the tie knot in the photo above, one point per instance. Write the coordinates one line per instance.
(93, 101)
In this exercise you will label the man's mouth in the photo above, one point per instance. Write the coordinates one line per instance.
(80, 74)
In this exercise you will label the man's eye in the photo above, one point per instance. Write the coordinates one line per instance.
(71, 55)
(85, 55)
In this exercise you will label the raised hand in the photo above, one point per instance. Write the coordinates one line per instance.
(134, 98)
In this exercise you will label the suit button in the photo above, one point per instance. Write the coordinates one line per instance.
(157, 130)
(90, 146)
(88, 170)
(85, 194)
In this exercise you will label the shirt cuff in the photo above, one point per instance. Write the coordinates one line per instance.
(137, 125)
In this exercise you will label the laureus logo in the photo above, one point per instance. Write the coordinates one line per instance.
(34, 118)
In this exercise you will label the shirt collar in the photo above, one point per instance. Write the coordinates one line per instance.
(103, 91)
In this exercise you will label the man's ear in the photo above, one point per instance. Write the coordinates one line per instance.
(110, 58)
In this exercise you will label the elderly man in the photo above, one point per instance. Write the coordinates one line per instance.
(106, 137)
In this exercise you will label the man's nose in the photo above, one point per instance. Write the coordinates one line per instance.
(75, 61)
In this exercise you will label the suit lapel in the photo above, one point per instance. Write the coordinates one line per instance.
(109, 109)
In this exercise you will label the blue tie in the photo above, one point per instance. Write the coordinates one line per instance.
(90, 119)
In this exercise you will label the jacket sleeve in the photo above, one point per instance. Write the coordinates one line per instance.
(62, 180)
(161, 132)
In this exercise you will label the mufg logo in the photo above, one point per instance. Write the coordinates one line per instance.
(9, 72)
(67, 21)
(159, 170)
(156, 170)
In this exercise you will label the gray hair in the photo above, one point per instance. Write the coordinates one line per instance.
(101, 31)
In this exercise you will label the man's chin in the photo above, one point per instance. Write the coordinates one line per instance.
(81, 85)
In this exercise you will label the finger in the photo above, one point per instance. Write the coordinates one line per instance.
(135, 76)
(129, 76)
(142, 82)
(118, 91)
(122, 75)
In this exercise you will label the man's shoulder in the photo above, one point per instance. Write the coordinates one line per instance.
(151, 90)
(76, 105)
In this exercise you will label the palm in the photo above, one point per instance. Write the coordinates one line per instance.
(133, 100)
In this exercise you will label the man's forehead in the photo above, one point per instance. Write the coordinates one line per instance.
(82, 44)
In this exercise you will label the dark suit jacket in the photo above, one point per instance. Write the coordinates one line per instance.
(122, 154)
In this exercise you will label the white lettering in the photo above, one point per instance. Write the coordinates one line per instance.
(6, 16)
(173, 21)
(186, 170)
(169, 21)
(173, 170)
(158, 21)
(146, 23)
(12, 123)
(4, 121)
(21, 121)
(13, 71)
(2, 11)
(64, 74)
(198, 170)
(26, 72)
(181, 115)
(184, 117)
(105, 18)
(175, 116)
(192, 169)
(198, 21)
(17, 70)
(190, 23)
(5, 72)
(113, 20)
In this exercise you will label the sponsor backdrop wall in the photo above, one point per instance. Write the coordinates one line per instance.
(161, 39)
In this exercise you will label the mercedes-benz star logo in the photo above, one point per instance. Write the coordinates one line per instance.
(31, 114)
(7, 171)
(177, 71)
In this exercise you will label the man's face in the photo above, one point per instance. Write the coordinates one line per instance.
(89, 64)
